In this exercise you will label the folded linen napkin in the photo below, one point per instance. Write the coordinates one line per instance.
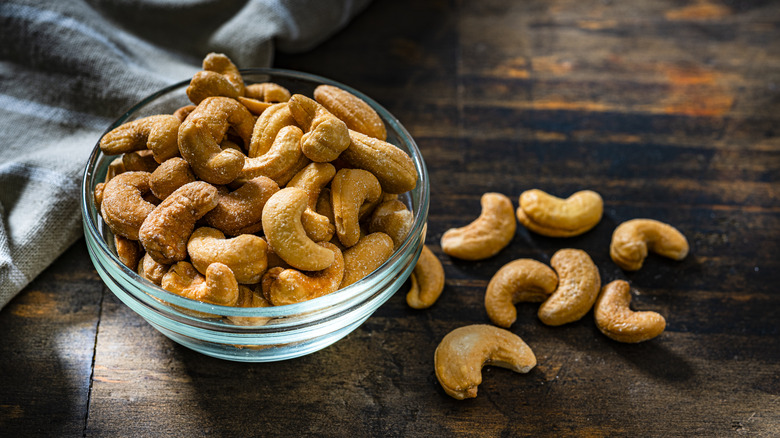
(67, 69)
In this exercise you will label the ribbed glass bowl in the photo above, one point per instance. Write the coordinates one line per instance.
(257, 334)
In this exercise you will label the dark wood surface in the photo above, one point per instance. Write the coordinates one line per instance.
(671, 110)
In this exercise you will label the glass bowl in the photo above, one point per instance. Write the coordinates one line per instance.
(259, 334)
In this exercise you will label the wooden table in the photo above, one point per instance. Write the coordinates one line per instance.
(670, 110)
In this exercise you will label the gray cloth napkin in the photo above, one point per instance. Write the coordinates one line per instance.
(69, 68)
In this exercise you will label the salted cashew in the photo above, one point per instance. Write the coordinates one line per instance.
(182, 112)
(326, 135)
(241, 211)
(169, 176)
(165, 232)
(285, 233)
(202, 132)
(354, 111)
(551, 216)
(157, 133)
(460, 356)
(579, 283)
(312, 179)
(392, 167)
(521, 280)
(245, 255)
(615, 319)
(365, 257)
(219, 77)
(254, 106)
(289, 286)
(139, 161)
(268, 92)
(247, 297)
(128, 251)
(151, 270)
(123, 207)
(393, 218)
(219, 286)
(267, 127)
(487, 235)
(282, 161)
(427, 281)
(352, 190)
(632, 239)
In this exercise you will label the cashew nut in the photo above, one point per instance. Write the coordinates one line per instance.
(578, 287)
(366, 256)
(202, 132)
(249, 298)
(392, 167)
(151, 270)
(351, 191)
(268, 92)
(169, 176)
(551, 216)
(356, 113)
(326, 136)
(165, 232)
(267, 127)
(241, 210)
(632, 239)
(427, 281)
(128, 251)
(522, 280)
(182, 113)
(289, 286)
(487, 235)
(139, 161)
(123, 207)
(392, 218)
(219, 77)
(245, 255)
(282, 161)
(616, 320)
(285, 233)
(218, 287)
(460, 356)
(157, 133)
(312, 179)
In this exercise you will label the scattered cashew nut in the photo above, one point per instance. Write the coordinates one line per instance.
(551, 216)
(521, 280)
(615, 319)
(579, 283)
(245, 255)
(632, 239)
(427, 281)
(487, 235)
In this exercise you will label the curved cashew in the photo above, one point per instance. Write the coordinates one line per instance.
(551, 216)
(245, 255)
(356, 113)
(460, 356)
(157, 133)
(241, 211)
(289, 286)
(392, 167)
(366, 256)
(123, 207)
(267, 127)
(352, 190)
(151, 270)
(326, 136)
(427, 281)
(128, 251)
(249, 298)
(632, 239)
(114, 168)
(487, 235)
(219, 286)
(254, 106)
(169, 176)
(142, 161)
(285, 233)
(616, 320)
(578, 286)
(219, 77)
(202, 132)
(312, 179)
(522, 280)
(165, 232)
(392, 218)
(282, 161)
(268, 92)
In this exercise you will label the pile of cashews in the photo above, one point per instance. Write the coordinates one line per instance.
(253, 196)
(567, 290)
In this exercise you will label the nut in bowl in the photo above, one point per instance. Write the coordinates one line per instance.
(218, 315)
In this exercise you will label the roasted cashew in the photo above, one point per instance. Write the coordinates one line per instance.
(392, 167)
(249, 298)
(169, 176)
(427, 281)
(487, 235)
(114, 168)
(366, 256)
(219, 286)
(289, 286)
(521, 280)
(285, 233)
(578, 287)
(460, 356)
(241, 211)
(128, 251)
(157, 133)
(268, 92)
(351, 191)
(282, 161)
(254, 106)
(312, 179)
(165, 232)
(267, 127)
(392, 218)
(245, 255)
(551, 216)
(139, 161)
(202, 132)
(616, 320)
(356, 113)
(632, 239)
(151, 270)
(219, 77)
(326, 136)
(182, 113)
(123, 207)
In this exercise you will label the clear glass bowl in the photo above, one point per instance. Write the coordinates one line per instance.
(278, 333)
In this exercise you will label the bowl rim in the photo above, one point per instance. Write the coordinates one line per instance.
(345, 295)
